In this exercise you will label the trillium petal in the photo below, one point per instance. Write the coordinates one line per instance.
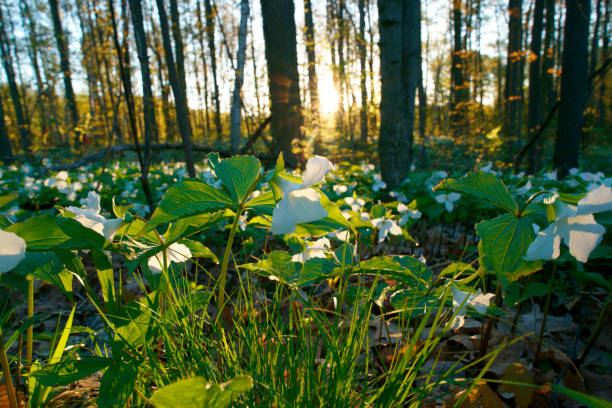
(283, 219)
(441, 198)
(178, 253)
(92, 202)
(582, 234)
(306, 204)
(598, 200)
(12, 250)
(454, 196)
(316, 169)
(110, 228)
(563, 210)
(546, 245)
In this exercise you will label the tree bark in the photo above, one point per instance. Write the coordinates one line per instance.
(7, 62)
(514, 79)
(601, 111)
(178, 43)
(6, 151)
(148, 102)
(459, 88)
(574, 86)
(283, 78)
(363, 73)
(535, 86)
(548, 61)
(65, 67)
(399, 49)
(313, 85)
(200, 35)
(180, 96)
(239, 73)
(210, 31)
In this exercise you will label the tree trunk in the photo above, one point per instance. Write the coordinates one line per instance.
(6, 151)
(180, 96)
(178, 43)
(255, 78)
(65, 67)
(200, 35)
(548, 61)
(240, 58)
(421, 87)
(574, 86)
(33, 54)
(535, 87)
(210, 31)
(363, 73)
(7, 62)
(459, 88)
(514, 79)
(399, 48)
(148, 102)
(601, 112)
(283, 78)
(313, 85)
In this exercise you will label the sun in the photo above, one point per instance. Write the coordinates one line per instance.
(328, 97)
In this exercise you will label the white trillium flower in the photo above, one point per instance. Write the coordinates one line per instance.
(399, 196)
(448, 200)
(316, 249)
(355, 203)
(525, 189)
(176, 253)
(386, 227)
(300, 202)
(552, 176)
(407, 213)
(379, 184)
(462, 300)
(12, 250)
(90, 217)
(575, 225)
(340, 189)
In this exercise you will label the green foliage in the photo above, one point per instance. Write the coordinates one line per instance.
(186, 199)
(238, 174)
(485, 186)
(196, 392)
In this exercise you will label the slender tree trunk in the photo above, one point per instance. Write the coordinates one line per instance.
(6, 151)
(148, 102)
(210, 31)
(363, 75)
(33, 54)
(169, 122)
(548, 61)
(514, 78)
(7, 62)
(574, 86)
(535, 86)
(283, 78)
(459, 88)
(200, 35)
(122, 57)
(62, 48)
(255, 78)
(240, 59)
(601, 112)
(178, 43)
(399, 48)
(341, 68)
(313, 85)
(180, 96)
(421, 86)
